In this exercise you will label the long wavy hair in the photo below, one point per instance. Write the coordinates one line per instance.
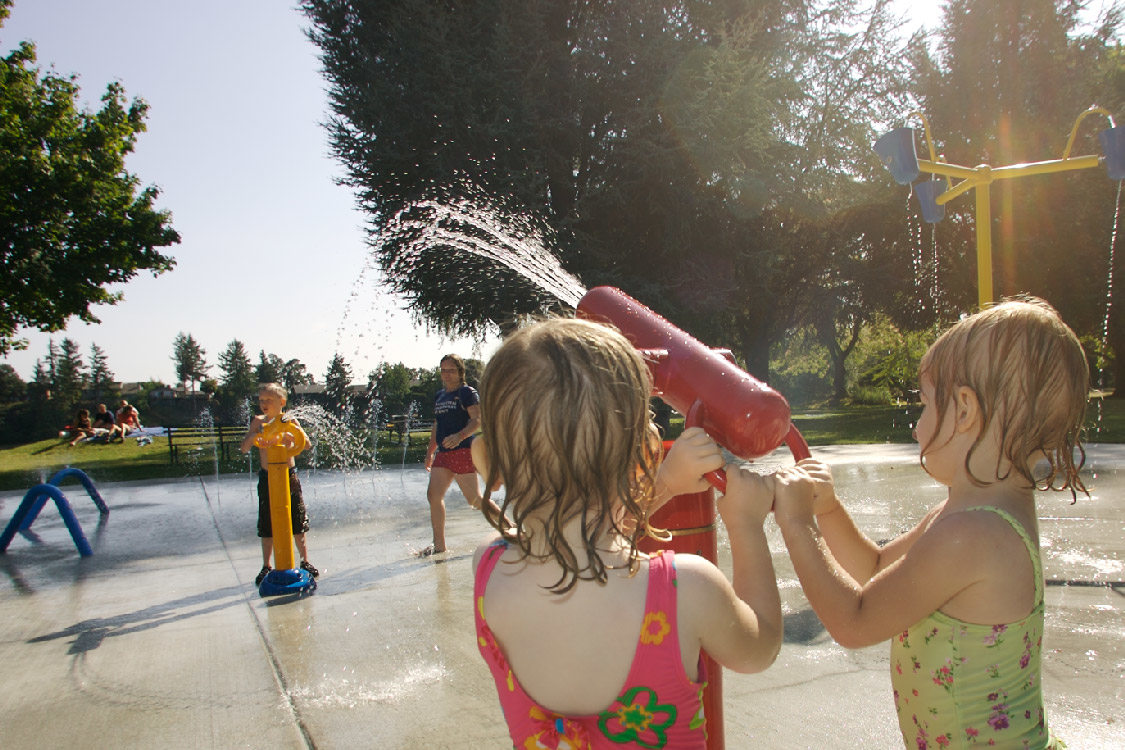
(1030, 376)
(567, 428)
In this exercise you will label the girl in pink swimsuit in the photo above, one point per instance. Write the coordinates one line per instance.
(591, 643)
(960, 595)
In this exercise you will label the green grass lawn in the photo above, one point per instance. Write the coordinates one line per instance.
(858, 424)
(25, 465)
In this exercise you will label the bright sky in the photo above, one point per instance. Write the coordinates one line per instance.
(272, 249)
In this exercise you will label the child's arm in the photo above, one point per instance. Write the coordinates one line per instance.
(681, 472)
(932, 564)
(854, 550)
(252, 433)
(858, 555)
(739, 621)
(305, 445)
(431, 448)
(470, 428)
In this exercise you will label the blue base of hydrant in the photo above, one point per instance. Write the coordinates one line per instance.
(279, 582)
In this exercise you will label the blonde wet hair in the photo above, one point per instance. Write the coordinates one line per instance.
(1031, 379)
(566, 424)
(276, 389)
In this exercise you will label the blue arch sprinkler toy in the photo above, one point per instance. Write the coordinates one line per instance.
(896, 149)
(281, 441)
(38, 496)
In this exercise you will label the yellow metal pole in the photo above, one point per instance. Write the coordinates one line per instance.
(980, 177)
(984, 244)
(284, 557)
(278, 453)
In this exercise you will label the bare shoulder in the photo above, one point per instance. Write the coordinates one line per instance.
(693, 565)
(481, 549)
(975, 541)
(986, 565)
(699, 581)
(975, 527)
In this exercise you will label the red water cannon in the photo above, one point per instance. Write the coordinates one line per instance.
(741, 413)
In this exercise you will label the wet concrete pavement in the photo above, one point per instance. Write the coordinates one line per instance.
(160, 639)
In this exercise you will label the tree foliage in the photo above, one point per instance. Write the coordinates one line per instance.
(336, 382)
(238, 372)
(685, 152)
(238, 381)
(1005, 85)
(68, 372)
(101, 377)
(391, 384)
(73, 220)
(189, 358)
(12, 387)
(269, 368)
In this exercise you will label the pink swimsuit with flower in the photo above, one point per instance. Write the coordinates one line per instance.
(658, 707)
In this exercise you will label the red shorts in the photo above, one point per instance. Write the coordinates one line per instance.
(458, 460)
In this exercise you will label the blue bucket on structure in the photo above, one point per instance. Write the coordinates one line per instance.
(927, 193)
(1113, 147)
(896, 149)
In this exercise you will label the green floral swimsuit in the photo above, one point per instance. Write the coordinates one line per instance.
(959, 684)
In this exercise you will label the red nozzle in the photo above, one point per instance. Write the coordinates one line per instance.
(741, 413)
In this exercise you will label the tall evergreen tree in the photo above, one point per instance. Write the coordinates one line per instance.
(101, 377)
(69, 378)
(336, 382)
(12, 387)
(189, 358)
(237, 371)
(269, 368)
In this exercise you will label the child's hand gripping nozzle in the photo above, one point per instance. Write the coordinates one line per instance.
(739, 412)
(281, 441)
(742, 414)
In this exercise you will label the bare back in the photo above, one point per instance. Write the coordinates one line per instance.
(572, 652)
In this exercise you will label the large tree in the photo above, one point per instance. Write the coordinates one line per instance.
(190, 359)
(391, 384)
(238, 374)
(336, 382)
(72, 218)
(269, 367)
(101, 377)
(681, 151)
(294, 373)
(61, 377)
(12, 387)
(1004, 85)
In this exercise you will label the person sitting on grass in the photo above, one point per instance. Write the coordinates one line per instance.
(104, 424)
(81, 429)
(128, 420)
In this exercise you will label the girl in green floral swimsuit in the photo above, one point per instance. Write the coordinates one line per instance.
(960, 595)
